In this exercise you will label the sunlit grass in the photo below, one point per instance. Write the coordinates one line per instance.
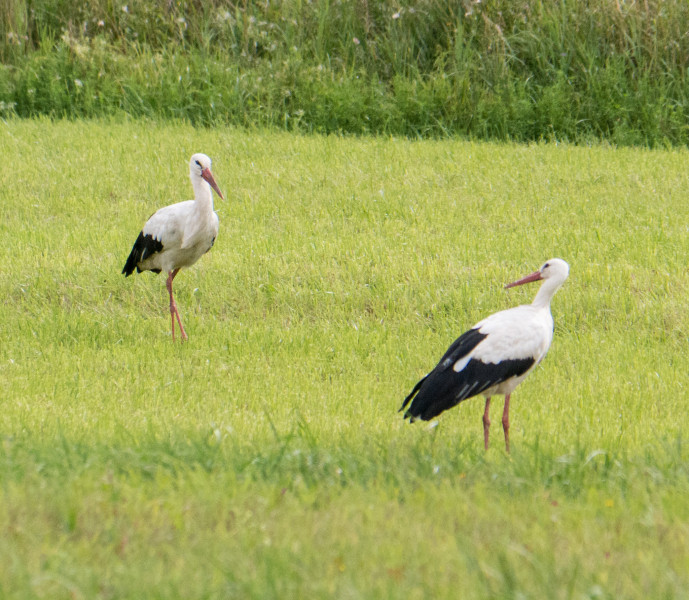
(265, 458)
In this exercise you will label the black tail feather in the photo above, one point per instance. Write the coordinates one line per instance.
(417, 387)
(144, 247)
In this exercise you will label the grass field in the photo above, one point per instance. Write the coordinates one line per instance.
(265, 457)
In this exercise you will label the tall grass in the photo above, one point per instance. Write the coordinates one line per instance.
(521, 70)
(265, 458)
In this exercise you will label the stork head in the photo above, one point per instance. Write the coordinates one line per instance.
(200, 167)
(556, 270)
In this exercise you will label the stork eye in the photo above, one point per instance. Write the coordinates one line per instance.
(546, 265)
(198, 163)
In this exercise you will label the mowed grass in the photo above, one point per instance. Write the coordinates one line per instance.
(265, 457)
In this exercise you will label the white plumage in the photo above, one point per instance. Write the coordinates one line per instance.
(494, 356)
(177, 235)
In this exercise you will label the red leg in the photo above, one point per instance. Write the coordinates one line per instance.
(168, 284)
(173, 307)
(181, 327)
(486, 424)
(506, 422)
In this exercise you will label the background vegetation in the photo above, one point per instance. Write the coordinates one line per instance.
(500, 69)
(265, 458)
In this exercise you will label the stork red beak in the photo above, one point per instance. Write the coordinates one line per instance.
(208, 176)
(535, 276)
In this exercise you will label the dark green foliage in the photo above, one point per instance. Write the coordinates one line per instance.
(522, 70)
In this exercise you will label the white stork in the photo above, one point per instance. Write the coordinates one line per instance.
(494, 356)
(178, 235)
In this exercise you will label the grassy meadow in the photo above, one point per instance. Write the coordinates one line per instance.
(265, 457)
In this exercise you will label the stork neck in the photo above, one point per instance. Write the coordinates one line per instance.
(202, 193)
(545, 293)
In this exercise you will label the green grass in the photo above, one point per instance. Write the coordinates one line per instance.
(265, 457)
(517, 70)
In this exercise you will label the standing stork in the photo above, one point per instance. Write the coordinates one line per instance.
(494, 356)
(177, 235)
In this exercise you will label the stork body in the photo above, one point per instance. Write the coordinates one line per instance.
(493, 357)
(177, 235)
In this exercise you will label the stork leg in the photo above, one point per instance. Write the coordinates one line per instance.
(173, 307)
(506, 422)
(486, 423)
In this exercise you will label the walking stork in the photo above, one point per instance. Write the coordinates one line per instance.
(177, 235)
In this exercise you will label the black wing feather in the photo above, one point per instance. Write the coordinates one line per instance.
(464, 344)
(444, 388)
(144, 247)
(413, 392)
